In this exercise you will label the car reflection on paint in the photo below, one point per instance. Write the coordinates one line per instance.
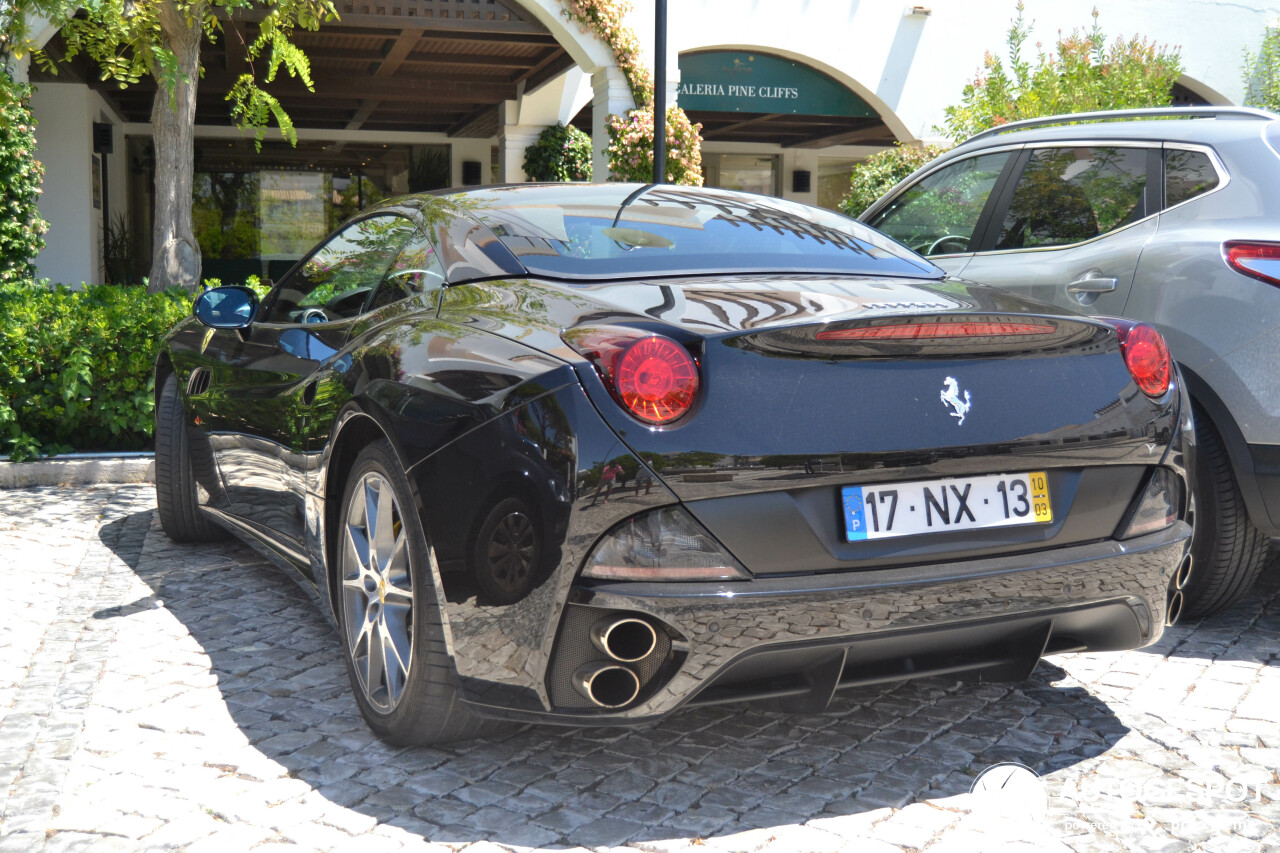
(593, 454)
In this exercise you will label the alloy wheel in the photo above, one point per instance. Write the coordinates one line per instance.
(377, 592)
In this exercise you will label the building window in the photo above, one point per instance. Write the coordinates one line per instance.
(753, 173)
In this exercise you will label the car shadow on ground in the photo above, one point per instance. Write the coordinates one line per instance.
(701, 773)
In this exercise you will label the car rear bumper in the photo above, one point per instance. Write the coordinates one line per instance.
(801, 638)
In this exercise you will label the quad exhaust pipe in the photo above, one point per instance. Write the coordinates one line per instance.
(607, 685)
(1173, 608)
(1183, 574)
(626, 639)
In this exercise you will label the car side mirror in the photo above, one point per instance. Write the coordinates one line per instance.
(230, 307)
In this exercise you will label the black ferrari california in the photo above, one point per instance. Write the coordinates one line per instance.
(590, 454)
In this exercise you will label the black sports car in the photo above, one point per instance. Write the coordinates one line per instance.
(592, 453)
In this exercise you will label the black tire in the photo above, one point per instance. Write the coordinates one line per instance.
(1227, 551)
(181, 515)
(426, 709)
(507, 556)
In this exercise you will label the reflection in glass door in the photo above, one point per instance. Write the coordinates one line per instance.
(755, 173)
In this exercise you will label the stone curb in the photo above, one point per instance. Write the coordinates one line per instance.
(77, 472)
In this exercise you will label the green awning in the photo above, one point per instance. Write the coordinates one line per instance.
(733, 81)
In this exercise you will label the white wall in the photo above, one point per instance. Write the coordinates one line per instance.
(65, 113)
(63, 144)
(917, 66)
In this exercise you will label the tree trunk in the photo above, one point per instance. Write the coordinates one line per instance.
(175, 256)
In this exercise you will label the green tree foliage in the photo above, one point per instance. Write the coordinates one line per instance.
(1262, 73)
(631, 147)
(560, 154)
(130, 40)
(1083, 73)
(21, 228)
(76, 366)
(881, 172)
(161, 39)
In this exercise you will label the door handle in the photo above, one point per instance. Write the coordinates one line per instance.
(1093, 282)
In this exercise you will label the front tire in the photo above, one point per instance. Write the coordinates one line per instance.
(396, 657)
(1228, 552)
(181, 516)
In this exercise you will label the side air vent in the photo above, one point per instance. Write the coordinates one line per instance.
(199, 382)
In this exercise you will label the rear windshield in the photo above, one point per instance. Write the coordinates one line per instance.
(1273, 136)
(619, 230)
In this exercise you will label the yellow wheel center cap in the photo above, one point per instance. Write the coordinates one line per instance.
(382, 591)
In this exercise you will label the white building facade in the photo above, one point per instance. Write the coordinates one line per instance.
(422, 93)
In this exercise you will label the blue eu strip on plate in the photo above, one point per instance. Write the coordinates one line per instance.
(855, 526)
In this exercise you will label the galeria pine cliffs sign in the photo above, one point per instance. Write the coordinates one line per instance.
(731, 81)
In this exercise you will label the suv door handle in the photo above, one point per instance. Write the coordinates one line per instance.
(1092, 282)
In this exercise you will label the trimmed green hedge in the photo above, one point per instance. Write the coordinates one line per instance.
(76, 366)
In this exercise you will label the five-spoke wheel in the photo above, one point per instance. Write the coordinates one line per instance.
(377, 591)
(393, 631)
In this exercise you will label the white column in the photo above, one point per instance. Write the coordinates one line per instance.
(19, 69)
(612, 95)
(64, 136)
(513, 139)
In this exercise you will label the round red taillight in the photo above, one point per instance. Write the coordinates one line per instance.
(656, 379)
(1147, 357)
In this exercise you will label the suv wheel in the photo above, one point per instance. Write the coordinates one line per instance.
(1227, 551)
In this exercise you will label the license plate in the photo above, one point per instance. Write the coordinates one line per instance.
(936, 506)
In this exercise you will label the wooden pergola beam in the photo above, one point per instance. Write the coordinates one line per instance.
(404, 44)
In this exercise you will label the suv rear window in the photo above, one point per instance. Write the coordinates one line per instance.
(1187, 174)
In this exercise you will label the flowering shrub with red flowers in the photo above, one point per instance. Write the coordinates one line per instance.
(631, 136)
(631, 147)
(1085, 73)
(21, 228)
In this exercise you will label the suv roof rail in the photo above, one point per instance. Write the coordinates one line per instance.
(1120, 115)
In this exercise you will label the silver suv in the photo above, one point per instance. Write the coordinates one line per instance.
(1170, 216)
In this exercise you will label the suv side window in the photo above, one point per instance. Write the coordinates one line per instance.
(336, 280)
(1066, 195)
(938, 215)
(1187, 174)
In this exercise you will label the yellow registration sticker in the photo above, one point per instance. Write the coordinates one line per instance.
(1040, 496)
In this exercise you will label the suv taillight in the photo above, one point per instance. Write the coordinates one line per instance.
(1145, 354)
(1256, 260)
(652, 376)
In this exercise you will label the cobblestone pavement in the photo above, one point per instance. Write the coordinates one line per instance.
(155, 696)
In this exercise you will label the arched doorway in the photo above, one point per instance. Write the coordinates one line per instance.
(778, 125)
